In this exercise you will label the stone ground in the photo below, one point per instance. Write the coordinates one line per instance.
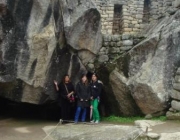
(17, 129)
(101, 131)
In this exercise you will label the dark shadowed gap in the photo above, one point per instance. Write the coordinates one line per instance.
(89, 75)
(117, 20)
(146, 11)
(47, 16)
(11, 109)
(33, 67)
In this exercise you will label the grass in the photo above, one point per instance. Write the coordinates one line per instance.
(117, 119)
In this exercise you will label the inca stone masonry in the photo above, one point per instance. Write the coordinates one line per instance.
(123, 20)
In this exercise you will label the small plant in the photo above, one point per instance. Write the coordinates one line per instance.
(129, 119)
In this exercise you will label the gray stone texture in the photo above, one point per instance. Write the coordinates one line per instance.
(175, 105)
(40, 41)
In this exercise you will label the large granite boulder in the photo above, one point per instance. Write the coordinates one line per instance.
(82, 28)
(122, 92)
(147, 71)
(39, 42)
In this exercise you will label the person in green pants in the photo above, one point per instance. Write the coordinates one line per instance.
(96, 88)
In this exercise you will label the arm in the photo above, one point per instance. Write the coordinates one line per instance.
(63, 92)
(89, 93)
(70, 90)
(99, 89)
(56, 85)
(79, 92)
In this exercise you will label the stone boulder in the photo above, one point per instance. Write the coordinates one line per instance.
(122, 92)
(89, 132)
(82, 26)
(176, 3)
(173, 116)
(39, 42)
(149, 67)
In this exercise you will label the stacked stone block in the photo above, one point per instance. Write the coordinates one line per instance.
(132, 16)
(107, 15)
(129, 21)
(174, 111)
(156, 9)
(113, 46)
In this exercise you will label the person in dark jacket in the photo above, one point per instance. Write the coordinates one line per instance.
(96, 88)
(66, 91)
(83, 95)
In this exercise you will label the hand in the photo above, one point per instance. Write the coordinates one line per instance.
(91, 107)
(81, 100)
(92, 98)
(55, 82)
(69, 95)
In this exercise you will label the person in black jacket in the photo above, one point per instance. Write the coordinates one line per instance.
(83, 95)
(96, 88)
(66, 91)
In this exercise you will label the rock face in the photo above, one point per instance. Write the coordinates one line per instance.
(41, 41)
(146, 73)
(123, 95)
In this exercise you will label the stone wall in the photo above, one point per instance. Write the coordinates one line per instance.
(114, 45)
(134, 14)
(129, 16)
(174, 111)
(123, 20)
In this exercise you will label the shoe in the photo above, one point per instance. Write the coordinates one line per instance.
(75, 122)
(96, 122)
(92, 121)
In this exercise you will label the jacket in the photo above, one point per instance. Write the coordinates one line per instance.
(83, 92)
(96, 89)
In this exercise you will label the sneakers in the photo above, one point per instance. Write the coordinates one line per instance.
(92, 121)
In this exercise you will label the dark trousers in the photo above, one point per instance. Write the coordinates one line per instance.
(65, 109)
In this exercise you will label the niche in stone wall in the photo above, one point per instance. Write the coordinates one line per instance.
(146, 11)
(117, 19)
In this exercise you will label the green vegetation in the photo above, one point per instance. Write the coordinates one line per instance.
(129, 119)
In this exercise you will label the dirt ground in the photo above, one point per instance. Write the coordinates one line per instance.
(167, 127)
(14, 129)
(23, 129)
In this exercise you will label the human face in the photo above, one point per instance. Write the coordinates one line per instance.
(94, 78)
(84, 79)
(66, 79)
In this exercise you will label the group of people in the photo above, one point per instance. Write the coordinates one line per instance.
(86, 95)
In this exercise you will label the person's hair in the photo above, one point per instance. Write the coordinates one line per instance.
(95, 74)
(63, 79)
(86, 82)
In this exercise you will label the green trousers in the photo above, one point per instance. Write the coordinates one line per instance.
(95, 104)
